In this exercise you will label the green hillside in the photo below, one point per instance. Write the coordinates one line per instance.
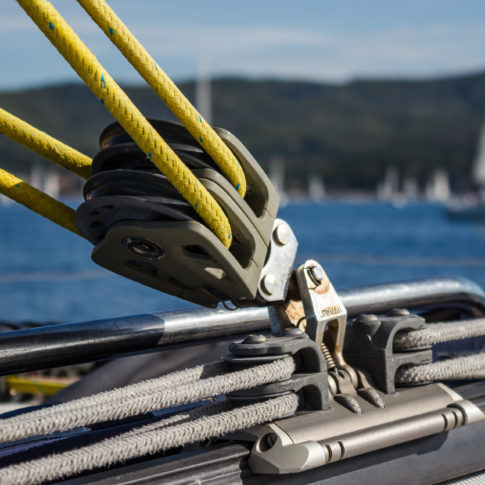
(349, 133)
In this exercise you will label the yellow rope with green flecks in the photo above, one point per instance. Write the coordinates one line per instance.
(122, 108)
(166, 89)
(43, 144)
(23, 193)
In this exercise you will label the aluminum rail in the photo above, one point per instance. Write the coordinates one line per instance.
(419, 293)
(74, 343)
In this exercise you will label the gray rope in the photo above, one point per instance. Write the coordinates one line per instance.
(114, 396)
(125, 447)
(207, 410)
(469, 367)
(131, 404)
(435, 333)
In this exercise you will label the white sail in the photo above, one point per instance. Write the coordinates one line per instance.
(438, 188)
(316, 187)
(479, 166)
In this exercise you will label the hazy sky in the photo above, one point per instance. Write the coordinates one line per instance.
(318, 40)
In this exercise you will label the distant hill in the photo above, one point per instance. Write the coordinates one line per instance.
(349, 133)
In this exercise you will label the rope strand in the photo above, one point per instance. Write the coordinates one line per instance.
(43, 144)
(39, 202)
(147, 441)
(83, 61)
(130, 402)
(435, 333)
(166, 89)
(469, 367)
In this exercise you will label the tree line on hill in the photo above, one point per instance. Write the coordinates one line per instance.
(347, 133)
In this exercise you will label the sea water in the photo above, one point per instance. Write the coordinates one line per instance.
(46, 273)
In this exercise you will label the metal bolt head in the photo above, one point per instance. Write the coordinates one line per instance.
(282, 234)
(367, 318)
(398, 312)
(317, 274)
(255, 339)
(368, 321)
(292, 332)
(269, 284)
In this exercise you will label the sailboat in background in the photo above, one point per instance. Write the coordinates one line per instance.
(473, 206)
(438, 187)
(479, 167)
(277, 178)
(316, 188)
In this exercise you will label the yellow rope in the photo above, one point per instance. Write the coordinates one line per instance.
(121, 107)
(23, 193)
(44, 386)
(166, 89)
(43, 144)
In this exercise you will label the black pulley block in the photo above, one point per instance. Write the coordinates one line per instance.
(126, 186)
(94, 217)
(129, 182)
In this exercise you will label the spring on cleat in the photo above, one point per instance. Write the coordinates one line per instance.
(328, 357)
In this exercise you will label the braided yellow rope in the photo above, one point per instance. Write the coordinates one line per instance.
(166, 89)
(23, 193)
(43, 144)
(121, 107)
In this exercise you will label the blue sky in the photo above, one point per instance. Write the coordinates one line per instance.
(316, 40)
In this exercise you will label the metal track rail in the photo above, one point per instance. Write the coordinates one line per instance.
(73, 343)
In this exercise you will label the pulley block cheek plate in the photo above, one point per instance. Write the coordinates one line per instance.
(182, 258)
(247, 242)
(261, 196)
(94, 217)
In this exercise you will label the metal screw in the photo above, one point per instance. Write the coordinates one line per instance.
(317, 274)
(398, 312)
(269, 284)
(255, 339)
(282, 234)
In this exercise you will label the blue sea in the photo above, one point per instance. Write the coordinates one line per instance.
(46, 273)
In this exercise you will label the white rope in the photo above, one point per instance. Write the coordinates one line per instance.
(130, 403)
(132, 445)
(469, 367)
(435, 333)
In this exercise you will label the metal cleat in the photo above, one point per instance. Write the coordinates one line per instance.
(370, 346)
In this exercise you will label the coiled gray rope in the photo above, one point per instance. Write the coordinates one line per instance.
(469, 367)
(435, 333)
(130, 403)
(131, 445)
